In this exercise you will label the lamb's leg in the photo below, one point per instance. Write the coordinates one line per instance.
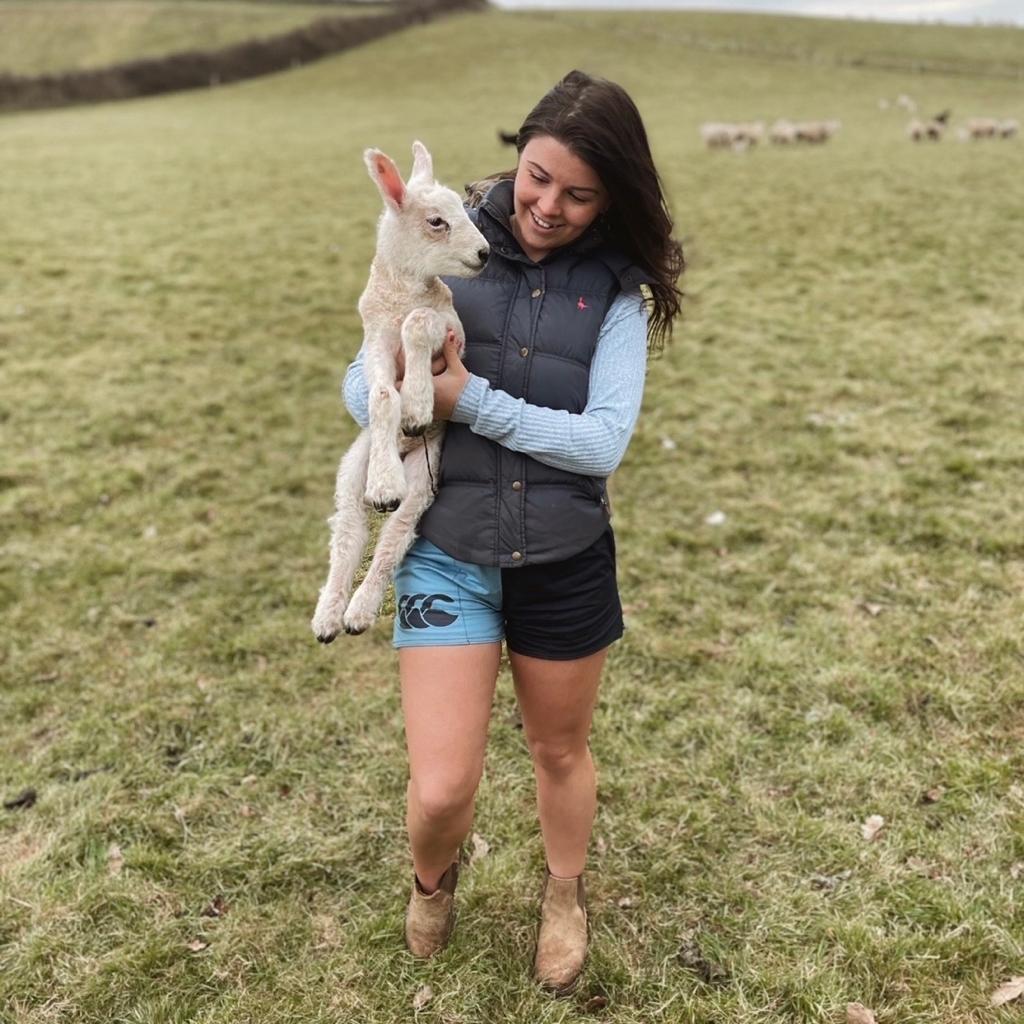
(423, 333)
(396, 536)
(385, 479)
(348, 540)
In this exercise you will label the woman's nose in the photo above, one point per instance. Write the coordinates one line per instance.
(548, 203)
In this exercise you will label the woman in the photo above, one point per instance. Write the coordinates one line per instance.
(518, 544)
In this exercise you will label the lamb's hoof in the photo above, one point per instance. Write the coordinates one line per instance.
(355, 630)
(326, 638)
(413, 430)
(387, 504)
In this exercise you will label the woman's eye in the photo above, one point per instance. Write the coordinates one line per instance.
(579, 199)
(437, 222)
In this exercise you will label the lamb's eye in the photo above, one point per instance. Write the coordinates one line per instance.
(437, 222)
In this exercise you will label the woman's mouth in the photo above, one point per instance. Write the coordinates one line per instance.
(541, 224)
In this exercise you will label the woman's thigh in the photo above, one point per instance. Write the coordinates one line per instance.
(556, 699)
(447, 694)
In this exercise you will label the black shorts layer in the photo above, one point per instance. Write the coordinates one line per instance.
(564, 610)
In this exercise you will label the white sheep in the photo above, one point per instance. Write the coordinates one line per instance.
(424, 232)
(717, 135)
(1009, 128)
(816, 132)
(982, 128)
(783, 132)
(921, 131)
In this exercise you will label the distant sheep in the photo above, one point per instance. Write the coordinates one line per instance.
(982, 128)
(990, 128)
(720, 135)
(782, 133)
(717, 135)
(816, 132)
(925, 131)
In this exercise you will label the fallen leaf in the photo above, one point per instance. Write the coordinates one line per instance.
(217, 907)
(480, 847)
(423, 996)
(716, 518)
(691, 957)
(197, 945)
(933, 795)
(602, 847)
(595, 1003)
(626, 902)
(246, 811)
(872, 826)
(1016, 870)
(668, 444)
(874, 610)
(829, 882)
(858, 1013)
(115, 859)
(1008, 991)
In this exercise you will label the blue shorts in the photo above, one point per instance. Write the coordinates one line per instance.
(556, 610)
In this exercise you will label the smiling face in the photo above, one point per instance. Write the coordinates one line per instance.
(557, 197)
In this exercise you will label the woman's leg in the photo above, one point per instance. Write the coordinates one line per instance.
(446, 699)
(557, 700)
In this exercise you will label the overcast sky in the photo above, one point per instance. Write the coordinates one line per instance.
(960, 11)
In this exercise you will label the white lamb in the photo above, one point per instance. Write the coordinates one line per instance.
(424, 232)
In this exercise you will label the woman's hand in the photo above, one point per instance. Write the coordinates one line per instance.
(449, 385)
(450, 377)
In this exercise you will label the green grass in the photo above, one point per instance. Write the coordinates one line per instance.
(177, 305)
(39, 36)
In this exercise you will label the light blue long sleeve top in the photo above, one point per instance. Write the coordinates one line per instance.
(592, 442)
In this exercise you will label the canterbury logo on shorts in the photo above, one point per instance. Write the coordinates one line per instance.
(420, 611)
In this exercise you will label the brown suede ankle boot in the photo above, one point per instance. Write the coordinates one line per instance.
(562, 944)
(429, 919)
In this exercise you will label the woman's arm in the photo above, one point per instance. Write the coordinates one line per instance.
(356, 393)
(592, 442)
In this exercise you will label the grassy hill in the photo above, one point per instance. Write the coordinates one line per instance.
(987, 51)
(218, 833)
(41, 36)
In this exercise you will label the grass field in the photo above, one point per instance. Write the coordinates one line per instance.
(39, 36)
(218, 834)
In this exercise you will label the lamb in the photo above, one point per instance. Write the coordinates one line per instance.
(423, 233)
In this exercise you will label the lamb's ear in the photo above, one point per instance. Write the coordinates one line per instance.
(385, 174)
(422, 163)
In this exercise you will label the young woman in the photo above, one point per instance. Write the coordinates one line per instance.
(517, 545)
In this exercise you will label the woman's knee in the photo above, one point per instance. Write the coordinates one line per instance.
(559, 758)
(441, 798)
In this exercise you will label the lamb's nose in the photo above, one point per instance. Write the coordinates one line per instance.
(482, 254)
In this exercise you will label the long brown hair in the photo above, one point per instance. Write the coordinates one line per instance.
(598, 122)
